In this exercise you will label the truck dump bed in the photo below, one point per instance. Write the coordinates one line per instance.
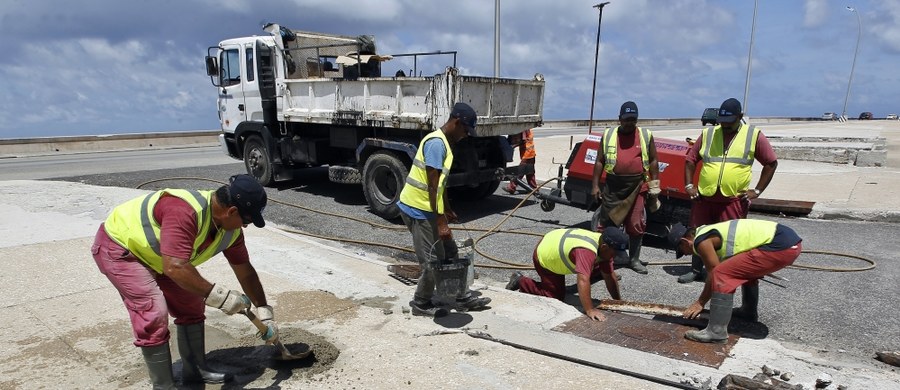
(504, 106)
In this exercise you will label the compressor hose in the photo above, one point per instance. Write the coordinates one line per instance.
(504, 264)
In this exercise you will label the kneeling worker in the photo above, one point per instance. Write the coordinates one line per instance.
(738, 252)
(573, 251)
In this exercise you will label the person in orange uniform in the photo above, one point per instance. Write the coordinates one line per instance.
(525, 142)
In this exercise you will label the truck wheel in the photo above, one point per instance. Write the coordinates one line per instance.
(257, 161)
(383, 177)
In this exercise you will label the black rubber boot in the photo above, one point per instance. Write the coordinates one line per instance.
(697, 272)
(719, 316)
(513, 283)
(634, 255)
(159, 366)
(192, 347)
(749, 304)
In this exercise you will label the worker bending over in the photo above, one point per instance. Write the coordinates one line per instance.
(736, 253)
(573, 251)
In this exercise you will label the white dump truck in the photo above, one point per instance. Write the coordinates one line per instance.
(290, 100)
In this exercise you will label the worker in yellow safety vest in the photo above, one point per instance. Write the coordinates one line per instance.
(573, 251)
(723, 191)
(738, 252)
(627, 156)
(149, 248)
(426, 211)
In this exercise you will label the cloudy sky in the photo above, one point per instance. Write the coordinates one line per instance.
(122, 66)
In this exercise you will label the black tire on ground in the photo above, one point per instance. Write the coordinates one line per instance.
(344, 175)
(257, 161)
(383, 177)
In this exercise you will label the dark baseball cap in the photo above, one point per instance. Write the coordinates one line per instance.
(676, 233)
(616, 239)
(628, 111)
(466, 115)
(249, 197)
(729, 111)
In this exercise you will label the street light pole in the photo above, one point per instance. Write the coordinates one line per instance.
(852, 67)
(496, 38)
(596, 56)
(750, 57)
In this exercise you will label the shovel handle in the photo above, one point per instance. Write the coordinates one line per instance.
(256, 321)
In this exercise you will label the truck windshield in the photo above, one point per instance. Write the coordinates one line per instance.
(230, 72)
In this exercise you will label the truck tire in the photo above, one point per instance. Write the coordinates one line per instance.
(257, 161)
(383, 177)
(344, 175)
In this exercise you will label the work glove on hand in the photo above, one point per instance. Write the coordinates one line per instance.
(654, 187)
(267, 316)
(229, 301)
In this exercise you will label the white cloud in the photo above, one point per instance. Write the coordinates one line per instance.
(816, 13)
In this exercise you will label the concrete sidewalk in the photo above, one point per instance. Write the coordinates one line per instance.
(65, 327)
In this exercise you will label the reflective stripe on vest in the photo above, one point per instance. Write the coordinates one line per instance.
(740, 235)
(133, 227)
(611, 148)
(415, 191)
(728, 170)
(553, 250)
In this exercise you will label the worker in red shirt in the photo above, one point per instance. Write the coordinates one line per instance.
(525, 142)
(573, 251)
(723, 192)
(149, 248)
(627, 156)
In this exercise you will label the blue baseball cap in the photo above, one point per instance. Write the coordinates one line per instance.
(729, 111)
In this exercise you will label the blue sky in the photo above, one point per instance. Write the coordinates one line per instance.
(112, 66)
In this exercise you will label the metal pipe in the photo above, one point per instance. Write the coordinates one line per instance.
(596, 57)
(750, 56)
(853, 66)
(496, 38)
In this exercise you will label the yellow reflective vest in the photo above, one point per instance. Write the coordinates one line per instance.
(132, 226)
(727, 168)
(611, 147)
(739, 235)
(553, 250)
(415, 191)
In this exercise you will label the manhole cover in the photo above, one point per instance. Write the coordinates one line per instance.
(641, 333)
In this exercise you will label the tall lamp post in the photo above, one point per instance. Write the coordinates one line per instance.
(750, 57)
(596, 56)
(496, 38)
(852, 67)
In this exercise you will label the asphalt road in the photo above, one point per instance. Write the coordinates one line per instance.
(853, 314)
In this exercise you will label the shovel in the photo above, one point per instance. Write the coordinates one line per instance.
(263, 329)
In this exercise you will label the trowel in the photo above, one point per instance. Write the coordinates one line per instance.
(263, 329)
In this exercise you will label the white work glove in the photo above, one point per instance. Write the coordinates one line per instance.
(229, 301)
(653, 203)
(654, 187)
(267, 316)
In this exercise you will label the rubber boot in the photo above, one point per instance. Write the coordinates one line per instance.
(749, 304)
(719, 315)
(634, 255)
(159, 366)
(192, 347)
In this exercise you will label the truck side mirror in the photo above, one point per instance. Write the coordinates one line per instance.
(212, 68)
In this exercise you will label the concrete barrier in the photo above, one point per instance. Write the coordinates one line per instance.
(96, 143)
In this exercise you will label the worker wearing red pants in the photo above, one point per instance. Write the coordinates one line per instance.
(149, 248)
(723, 191)
(736, 253)
(573, 251)
(525, 142)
